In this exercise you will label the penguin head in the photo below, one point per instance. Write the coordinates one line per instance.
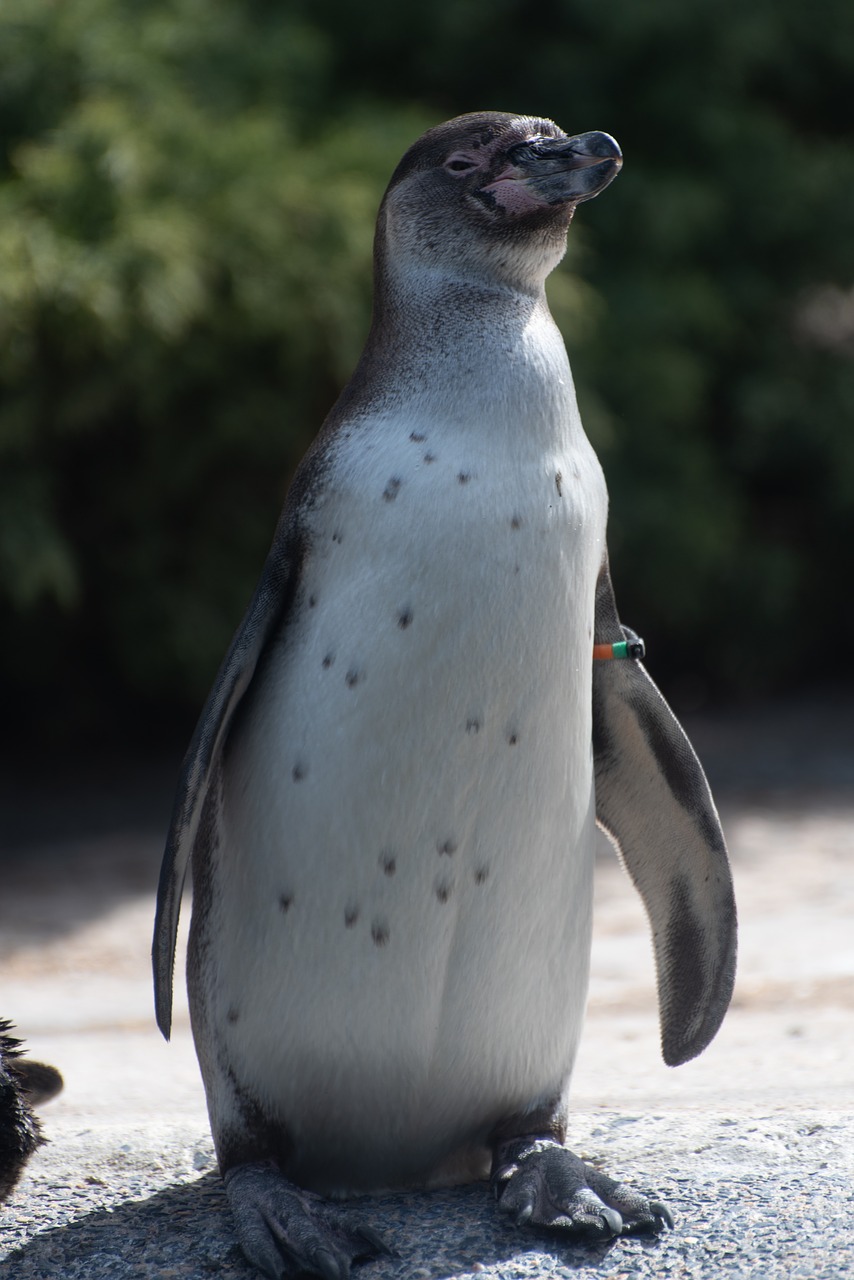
(489, 197)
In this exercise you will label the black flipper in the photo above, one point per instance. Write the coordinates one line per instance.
(653, 800)
(265, 615)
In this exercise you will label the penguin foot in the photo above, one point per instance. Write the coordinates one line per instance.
(284, 1230)
(539, 1183)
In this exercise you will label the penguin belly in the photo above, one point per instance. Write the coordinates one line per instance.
(396, 933)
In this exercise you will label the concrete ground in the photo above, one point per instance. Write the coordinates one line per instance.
(752, 1145)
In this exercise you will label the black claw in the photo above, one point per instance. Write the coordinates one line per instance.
(525, 1214)
(612, 1220)
(660, 1210)
(327, 1265)
(375, 1240)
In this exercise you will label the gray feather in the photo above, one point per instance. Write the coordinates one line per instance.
(653, 800)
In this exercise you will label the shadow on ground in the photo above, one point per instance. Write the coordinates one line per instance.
(186, 1230)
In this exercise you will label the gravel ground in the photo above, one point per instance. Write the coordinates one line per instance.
(752, 1145)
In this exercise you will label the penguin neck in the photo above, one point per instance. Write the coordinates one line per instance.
(409, 307)
(468, 351)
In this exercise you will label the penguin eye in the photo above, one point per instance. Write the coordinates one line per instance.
(460, 165)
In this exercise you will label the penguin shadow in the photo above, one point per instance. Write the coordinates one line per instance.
(186, 1229)
(441, 1235)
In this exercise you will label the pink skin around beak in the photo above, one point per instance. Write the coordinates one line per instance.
(512, 193)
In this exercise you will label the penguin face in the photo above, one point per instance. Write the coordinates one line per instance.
(491, 196)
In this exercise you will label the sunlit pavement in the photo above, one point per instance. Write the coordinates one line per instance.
(752, 1144)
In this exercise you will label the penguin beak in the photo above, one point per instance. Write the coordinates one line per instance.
(561, 170)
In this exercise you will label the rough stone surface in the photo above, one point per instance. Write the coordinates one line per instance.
(752, 1144)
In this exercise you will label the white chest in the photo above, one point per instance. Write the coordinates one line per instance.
(407, 820)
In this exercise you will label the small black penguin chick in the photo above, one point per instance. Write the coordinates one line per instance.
(23, 1085)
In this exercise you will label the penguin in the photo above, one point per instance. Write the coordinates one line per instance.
(24, 1084)
(391, 797)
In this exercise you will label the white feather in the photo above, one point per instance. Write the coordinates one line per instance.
(416, 750)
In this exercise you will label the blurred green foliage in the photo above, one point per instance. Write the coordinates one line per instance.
(187, 196)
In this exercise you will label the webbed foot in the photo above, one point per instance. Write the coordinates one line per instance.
(540, 1183)
(284, 1230)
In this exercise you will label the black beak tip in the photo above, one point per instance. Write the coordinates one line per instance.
(598, 146)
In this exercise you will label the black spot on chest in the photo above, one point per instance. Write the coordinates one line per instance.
(392, 488)
(443, 889)
(380, 933)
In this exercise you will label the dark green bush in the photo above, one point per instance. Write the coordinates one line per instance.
(187, 195)
(718, 384)
(184, 285)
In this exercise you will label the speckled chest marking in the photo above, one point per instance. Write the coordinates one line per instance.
(404, 867)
